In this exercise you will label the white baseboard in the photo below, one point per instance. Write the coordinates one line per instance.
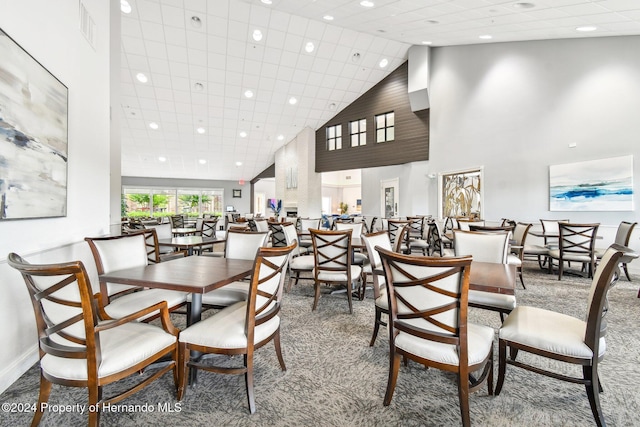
(11, 373)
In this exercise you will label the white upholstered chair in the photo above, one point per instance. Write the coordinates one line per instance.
(563, 338)
(378, 239)
(516, 254)
(486, 247)
(78, 347)
(428, 323)
(623, 234)
(243, 327)
(114, 253)
(577, 244)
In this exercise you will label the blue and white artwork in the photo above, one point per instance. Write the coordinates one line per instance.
(33, 137)
(594, 185)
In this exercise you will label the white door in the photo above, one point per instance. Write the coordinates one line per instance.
(390, 198)
(259, 204)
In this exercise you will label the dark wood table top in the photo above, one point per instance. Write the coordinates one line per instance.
(195, 274)
(493, 277)
(185, 242)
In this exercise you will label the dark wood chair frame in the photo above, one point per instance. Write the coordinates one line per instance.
(74, 273)
(595, 329)
(576, 239)
(393, 266)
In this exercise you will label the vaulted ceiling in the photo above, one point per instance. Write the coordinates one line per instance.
(193, 118)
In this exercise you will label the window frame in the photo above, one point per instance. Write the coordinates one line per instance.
(386, 128)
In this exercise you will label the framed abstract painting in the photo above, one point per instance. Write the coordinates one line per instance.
(594, 185)
(33, 137)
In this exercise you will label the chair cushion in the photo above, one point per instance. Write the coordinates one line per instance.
(555, 253)
(226, 295)
(127, 304)
(331, 276)
(479, 339)
(418, 243)
(550, 331)
(360, 258)
(302, 262)
(225, 329)
(121, 348)
(382, 301)
(491, 299)
(535, 250)
(514, 259)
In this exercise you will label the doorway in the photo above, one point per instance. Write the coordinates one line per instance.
(390, 197)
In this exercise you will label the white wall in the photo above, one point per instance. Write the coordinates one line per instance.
(49, 31)
(513, 108)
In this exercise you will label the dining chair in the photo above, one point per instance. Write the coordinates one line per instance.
(359, 258)
(378, 239)
(399, 239)
(333, 262)
(112, 253)
(304, 238)
(563, 338)
(417, 240)
(516, 255)
(261, 224)
(240, 244)
(301, 261)
(278, 239)
(177, 221)
(434, 239)
(243, 327)
(154, 253)
(623, 235)
(78, 347)
(208, 230)
(465, 224)
(576, 243)
(486, 247)
(428, 322)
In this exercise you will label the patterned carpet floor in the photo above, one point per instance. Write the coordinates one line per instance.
(334, 378)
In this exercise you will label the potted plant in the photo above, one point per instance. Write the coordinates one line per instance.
(276, 206)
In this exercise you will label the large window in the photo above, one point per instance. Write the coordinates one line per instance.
(334, 137)
(159, 202)
(385, 130)
(358, 132)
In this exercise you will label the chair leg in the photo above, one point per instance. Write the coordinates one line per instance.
(248, 377)
(591, 375)
(394, 368)
(463, 395)
(276, 343)
(376, 326)
(316, 286)
(626, 271)
(43, 397)
(95, 395)
(502, 365)
(350, 296)
(521, 278)
(183, 373)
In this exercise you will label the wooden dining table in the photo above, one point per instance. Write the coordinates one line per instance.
(493, 277)
(195, 274)
(188, 242)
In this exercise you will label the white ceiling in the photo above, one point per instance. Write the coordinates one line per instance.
(159, 40)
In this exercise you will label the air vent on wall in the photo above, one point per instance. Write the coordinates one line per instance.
(87, 25)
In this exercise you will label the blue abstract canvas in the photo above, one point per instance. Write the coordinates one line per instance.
(594, 185)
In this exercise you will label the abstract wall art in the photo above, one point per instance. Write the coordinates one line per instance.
(461, 194)
(594, 185)
(33, 137)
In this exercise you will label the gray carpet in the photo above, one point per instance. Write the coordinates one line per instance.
(334, 378)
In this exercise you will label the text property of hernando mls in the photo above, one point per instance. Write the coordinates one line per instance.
(101, 407)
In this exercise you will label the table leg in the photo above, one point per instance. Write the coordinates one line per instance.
(196, 314)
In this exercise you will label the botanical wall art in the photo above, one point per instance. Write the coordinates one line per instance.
(33, 137)
(461, 194)
(594, 185)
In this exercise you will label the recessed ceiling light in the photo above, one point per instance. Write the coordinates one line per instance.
(162, 159)
(266, 1)
(293, 100)
(524, 5)
(238, 163)
(248, 93)
(366, 3)
(202, 161)
(332, 106)
(309, 47)
(384, 62)
(327, 18)
(280, 137)
(125, 7)
(201, 130)
(142, 78)
(199, 87)
(356, 57)
(586, 28)
(427, 42)
(196, 22)
(153, 125)
(485, 37)
(243, 134)
(257, 35)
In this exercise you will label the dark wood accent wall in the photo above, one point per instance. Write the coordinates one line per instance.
(411, 129)
(269, 172)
